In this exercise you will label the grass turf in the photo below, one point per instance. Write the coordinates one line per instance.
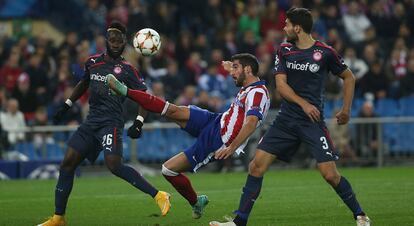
(288, 197)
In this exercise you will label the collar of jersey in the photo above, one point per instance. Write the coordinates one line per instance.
(261, 82)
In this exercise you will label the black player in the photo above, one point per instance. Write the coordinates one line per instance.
(301, 68)
(102, 129)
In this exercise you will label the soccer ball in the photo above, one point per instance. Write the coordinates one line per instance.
(147, 42)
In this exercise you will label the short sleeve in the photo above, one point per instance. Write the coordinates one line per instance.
(134, 81)
(256, 103)
(336, 64)
(280, 65)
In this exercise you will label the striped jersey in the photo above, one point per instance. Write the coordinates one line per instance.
(251, 100)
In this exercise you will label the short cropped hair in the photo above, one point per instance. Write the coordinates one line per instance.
(118, 26)
(301, 17)
(247, 59)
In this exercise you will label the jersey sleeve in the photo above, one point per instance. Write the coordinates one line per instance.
(280, 65)
(336, 64)
(134, 81)
(256, 103)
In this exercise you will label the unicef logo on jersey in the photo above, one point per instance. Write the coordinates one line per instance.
(302, 67)
(98, 77)
(314, 68)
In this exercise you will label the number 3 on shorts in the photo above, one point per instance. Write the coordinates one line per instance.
(324, 143)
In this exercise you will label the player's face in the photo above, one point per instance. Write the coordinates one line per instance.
(289, 29)
(115, 42)
(238, 74)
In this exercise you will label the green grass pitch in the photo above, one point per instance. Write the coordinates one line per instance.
(288, 197)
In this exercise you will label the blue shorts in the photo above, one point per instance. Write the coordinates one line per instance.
(89, 141)
(205, 126)
(285, 135)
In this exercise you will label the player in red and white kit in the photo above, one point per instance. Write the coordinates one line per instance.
(218, 135)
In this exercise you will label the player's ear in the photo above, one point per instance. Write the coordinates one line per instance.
(247, 69)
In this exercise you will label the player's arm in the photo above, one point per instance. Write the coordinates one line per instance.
(135, 82)
(77, 92)
(343, 115)
(289, 94)
(248, 128)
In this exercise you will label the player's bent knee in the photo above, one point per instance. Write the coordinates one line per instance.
(256, 169)
(332, 178)
(167, 172)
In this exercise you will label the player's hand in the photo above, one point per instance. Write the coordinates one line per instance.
(227, 65)
(135, 131)
(342, 117)
(224, 153)
(312, 112)
(60, 112)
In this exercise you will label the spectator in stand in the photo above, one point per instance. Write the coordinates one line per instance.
(366, 133)
(212, 81)
(250, 21)
(13, 119)
(26, 97)
(173, 80)
(95, 14)
(375, 81)
(11, 70)
(273, 19)
(137, 17)
(407, 83)
(40, 139)
(188, 97)
(356, 23)
(38, 78)
(355, 64)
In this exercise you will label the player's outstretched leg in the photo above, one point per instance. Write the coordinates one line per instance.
(146, 100)
(344, 190)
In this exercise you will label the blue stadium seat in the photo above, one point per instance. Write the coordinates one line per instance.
(407, 106)
(387, 107)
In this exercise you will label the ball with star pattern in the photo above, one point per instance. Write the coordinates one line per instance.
(147, 42)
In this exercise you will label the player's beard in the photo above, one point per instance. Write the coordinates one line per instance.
(113, 54)
(292, 38)
(240, 80)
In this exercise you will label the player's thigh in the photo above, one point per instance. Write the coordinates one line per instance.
(110, 138)
(179, 163)
(178, 114)
(80, 145)
(318, 141)
(261, 162)
(71, 159)
(280, 140)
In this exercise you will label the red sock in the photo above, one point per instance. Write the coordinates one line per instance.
(182, 184)
(147, 101)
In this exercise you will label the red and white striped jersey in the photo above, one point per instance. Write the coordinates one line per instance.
(251, 100)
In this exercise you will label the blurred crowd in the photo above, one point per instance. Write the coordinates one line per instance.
(37, 74)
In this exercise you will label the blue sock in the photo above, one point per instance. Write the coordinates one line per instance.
(344, 190)
(133, 177)
(251, 191)
(62, 192)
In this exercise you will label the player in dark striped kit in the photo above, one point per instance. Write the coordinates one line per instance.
(102, 129)
(301, 68)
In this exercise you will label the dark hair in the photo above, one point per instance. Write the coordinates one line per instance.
(247, 59)
(301, 17)
(117, 25)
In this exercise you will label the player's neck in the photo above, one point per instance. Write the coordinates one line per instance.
(251, 81)
(305, 41)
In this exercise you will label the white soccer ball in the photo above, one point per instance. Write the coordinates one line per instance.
(147, 42)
